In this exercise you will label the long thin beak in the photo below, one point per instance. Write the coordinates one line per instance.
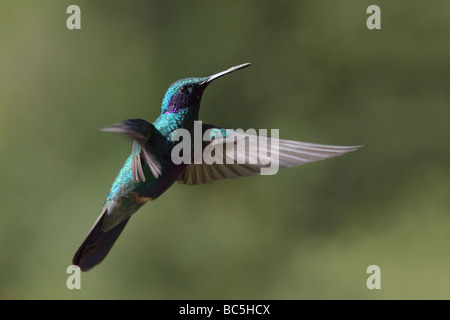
(220, 74)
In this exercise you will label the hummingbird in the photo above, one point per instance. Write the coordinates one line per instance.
(150, 170)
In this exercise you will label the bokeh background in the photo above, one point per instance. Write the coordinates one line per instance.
(318, 75)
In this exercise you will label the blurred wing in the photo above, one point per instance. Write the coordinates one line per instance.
(139, 150)
(238, 154)
(136, 165)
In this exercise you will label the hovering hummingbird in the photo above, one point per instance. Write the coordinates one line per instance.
(149, 170)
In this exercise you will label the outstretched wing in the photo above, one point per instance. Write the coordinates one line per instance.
(233, 154)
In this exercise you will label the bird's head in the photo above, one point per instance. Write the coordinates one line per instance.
(187, 93)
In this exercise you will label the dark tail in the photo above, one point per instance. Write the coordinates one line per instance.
(97, 244)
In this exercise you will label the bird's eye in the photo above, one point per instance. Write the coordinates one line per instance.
(185, 89)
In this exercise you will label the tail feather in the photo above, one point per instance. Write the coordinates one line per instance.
(97, 244)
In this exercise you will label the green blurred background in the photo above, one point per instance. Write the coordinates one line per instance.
(318, 75)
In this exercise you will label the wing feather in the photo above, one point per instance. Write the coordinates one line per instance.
(245, 162)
